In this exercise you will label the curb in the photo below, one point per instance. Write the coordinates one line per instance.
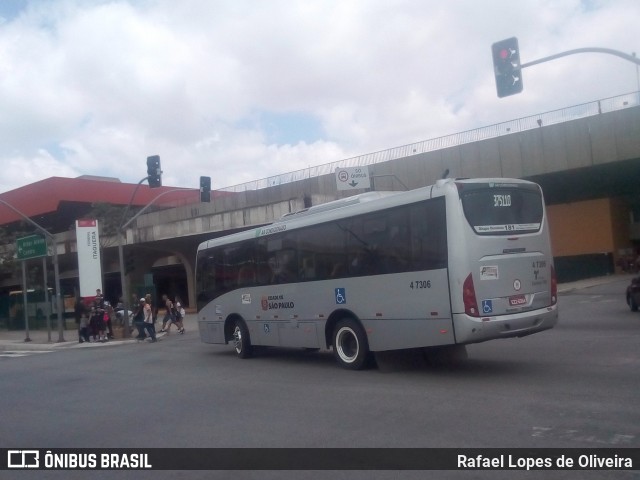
(22, 346)
(594, 282)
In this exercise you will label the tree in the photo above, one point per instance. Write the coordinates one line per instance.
(109, 219)
(9, 266)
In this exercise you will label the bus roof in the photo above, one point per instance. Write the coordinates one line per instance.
(349, 206)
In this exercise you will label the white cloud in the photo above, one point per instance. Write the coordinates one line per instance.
(94, 87)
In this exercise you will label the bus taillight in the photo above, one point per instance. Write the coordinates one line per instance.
(469, 297)
(554, 286)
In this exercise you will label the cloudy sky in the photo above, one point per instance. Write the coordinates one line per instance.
(242, 90)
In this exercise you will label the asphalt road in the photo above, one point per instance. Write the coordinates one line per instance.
(576, 386)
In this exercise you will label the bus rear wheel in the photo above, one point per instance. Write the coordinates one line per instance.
(241, 341)
(350, 346)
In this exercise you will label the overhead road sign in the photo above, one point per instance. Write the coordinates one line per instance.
(351, 178)
(33, 246)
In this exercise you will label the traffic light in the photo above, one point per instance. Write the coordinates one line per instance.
(154, 172)
(205, 189)
(506, 65)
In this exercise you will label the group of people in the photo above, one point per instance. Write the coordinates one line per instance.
(144, 317)
(95, 320)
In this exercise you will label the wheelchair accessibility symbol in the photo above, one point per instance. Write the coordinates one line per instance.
(487, 306)
(341, 296)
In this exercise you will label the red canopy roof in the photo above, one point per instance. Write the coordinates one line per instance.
(44, 197)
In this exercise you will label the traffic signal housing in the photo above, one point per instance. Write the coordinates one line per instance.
(205, 189)
(154, 172)
(507, 67)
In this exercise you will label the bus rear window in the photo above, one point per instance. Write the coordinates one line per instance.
(502, 210)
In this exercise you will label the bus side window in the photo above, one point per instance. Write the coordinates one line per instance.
(283, 264)
(308, 268)
(338, 270)
(264, 275)
(246, 276)
(429, 235)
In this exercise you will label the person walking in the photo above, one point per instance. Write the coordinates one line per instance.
(148, 321)
(179, 314)
(109, 313)
(154, 307)
(138, 320)
(170, 316)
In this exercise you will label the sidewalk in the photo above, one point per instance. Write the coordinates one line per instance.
(14, 340)
(594, 282)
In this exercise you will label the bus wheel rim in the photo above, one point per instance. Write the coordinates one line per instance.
(347, 345)
(237, 339)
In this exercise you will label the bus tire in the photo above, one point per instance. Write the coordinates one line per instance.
(241, 340)
(350, 345)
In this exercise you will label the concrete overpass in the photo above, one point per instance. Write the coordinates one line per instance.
(587, 159)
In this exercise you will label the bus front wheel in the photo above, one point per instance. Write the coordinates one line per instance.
(350, 346)
(241, 341)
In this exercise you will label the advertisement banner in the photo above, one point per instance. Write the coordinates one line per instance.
(89, 264)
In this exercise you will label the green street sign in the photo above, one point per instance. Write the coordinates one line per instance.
(33, 246)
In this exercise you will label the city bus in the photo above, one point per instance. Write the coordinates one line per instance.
(458, 262)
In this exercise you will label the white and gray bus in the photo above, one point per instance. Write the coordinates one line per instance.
(458, 262)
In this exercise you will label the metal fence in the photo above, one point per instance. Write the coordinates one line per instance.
(513, 126)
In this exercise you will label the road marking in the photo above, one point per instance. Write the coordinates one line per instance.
(574, 435)
(22, 353)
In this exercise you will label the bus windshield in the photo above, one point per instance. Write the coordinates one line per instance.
(502, 209)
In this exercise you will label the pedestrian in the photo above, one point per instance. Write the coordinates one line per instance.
(99, 298)
(169, 315)
(138, 319)
(84, 329)
(78, 310)
(96, 322)
(148, 321)
(109, 313)
(83, 324)
(154, 307)
(179, 314)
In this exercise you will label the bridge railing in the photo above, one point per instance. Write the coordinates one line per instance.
(492, 131)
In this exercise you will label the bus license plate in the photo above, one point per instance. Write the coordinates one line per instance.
(517, 300)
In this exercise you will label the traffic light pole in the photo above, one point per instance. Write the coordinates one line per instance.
(121, 233)
(123, 281)
(508, 69)
(617, 53)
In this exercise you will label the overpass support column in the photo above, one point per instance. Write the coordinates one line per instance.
(190, 272)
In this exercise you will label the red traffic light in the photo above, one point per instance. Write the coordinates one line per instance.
(506, 66)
